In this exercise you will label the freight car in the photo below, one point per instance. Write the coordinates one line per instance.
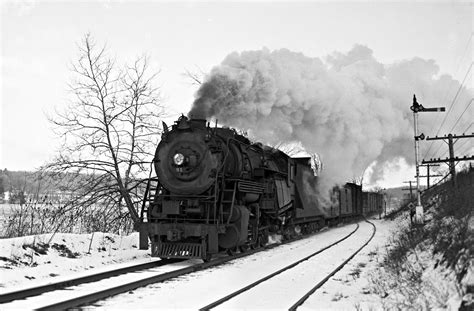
(372, 203)
(216, 191)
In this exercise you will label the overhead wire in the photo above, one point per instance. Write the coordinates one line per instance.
(444, 177)
(462, 144)
(459, 62)
(440, 145)
(465, 150)
(467, 140)
(453, 103)
(465, 109)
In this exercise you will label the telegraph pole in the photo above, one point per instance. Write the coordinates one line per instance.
(428, 174)
(411, 206)
(452, 159)
(409, 188)
(416, 108)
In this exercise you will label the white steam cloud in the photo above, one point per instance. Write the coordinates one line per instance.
(351, 109)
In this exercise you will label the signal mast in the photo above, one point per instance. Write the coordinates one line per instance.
(416, 107)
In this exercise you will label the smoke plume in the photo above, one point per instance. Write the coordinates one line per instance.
(349, 108)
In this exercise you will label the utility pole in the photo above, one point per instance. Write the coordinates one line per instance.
(411, 206)
(452, 159)
(416, 108)
(428, 174)
(409, 188)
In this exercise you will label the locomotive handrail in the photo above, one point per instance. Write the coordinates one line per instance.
(147, 190)
(143, 203)
(145, 198)
(215, 201)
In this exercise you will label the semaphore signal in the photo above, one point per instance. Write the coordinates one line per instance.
(416, 108)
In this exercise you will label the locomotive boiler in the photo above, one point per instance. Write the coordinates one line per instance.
(214, 191)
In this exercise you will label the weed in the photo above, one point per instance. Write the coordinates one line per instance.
(11, 261)
(355, 273)
(39, 248)
(65, 251)
(424, 266)
(338, 296)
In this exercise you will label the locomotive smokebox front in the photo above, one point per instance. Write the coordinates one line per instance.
(183, 160)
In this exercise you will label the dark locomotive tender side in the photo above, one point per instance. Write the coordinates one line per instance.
(216, 191)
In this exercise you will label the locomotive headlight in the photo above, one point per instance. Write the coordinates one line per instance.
(178, 159)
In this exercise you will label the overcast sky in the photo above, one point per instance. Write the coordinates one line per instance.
(38, 42)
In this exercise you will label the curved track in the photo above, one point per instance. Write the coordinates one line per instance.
(72, 296)
(289, 267)
(310, 292)
(144, 275)
(38, 290)
(107, 291)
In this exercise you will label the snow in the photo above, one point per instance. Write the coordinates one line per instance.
(348, 289)
(421, 281)
(285, 289)
(23, 266)
(58, 296)
(201, 288)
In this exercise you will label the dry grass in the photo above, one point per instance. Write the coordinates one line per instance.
(424, 267)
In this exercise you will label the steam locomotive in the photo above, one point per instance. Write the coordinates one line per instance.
(216, 191)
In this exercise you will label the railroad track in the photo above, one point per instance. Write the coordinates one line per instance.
(88, 289)
(323, 281)
(41, 289)
(289, 267)
(38, 290)
(98, 292)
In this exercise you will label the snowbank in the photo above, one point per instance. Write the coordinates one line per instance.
(26, 261)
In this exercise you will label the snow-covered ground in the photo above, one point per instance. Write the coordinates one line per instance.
(27, 261)
(348, 289)
(199, 289)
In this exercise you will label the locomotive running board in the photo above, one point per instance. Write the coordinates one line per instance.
(177, 250)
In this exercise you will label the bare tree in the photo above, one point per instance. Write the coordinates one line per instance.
(109, 130)
(359, 180)
(196, 77)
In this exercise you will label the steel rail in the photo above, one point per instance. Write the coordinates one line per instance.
(244, 289)
(102, 294)
(38, 290)
(105, 293)
(311, 291)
